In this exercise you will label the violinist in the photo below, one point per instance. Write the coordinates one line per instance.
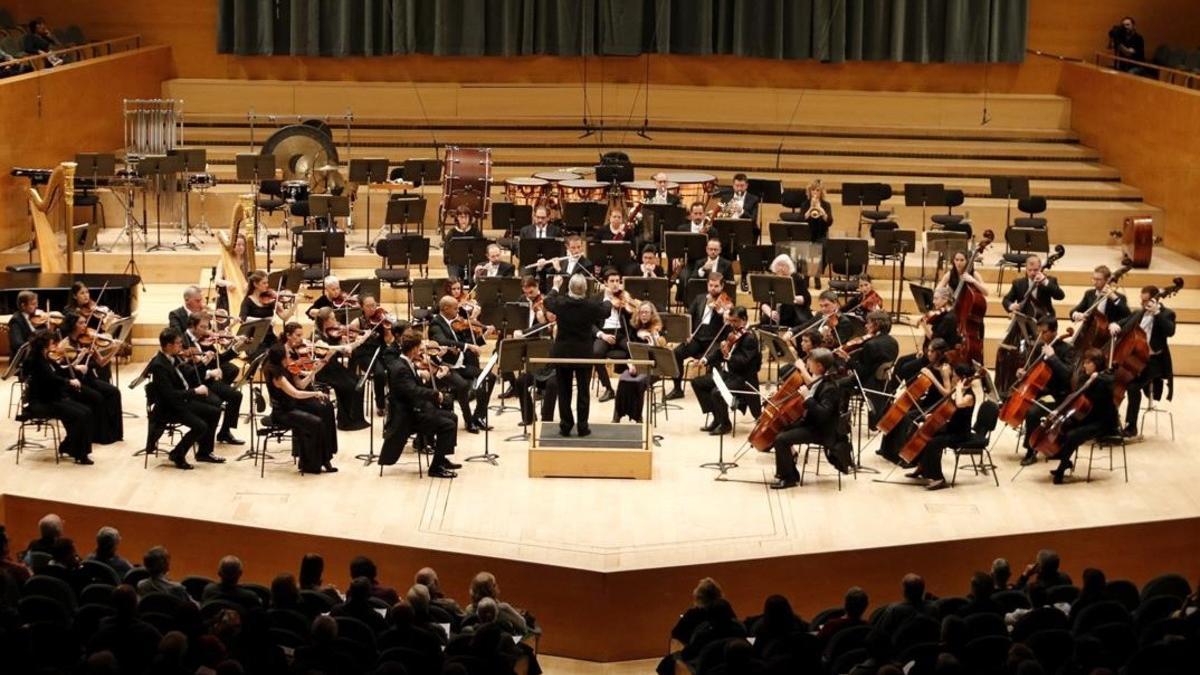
(330, 334)
(542, 378)
(463, 348)
(711, 262)
(263, 302)
(80, 303)
(788, 312)
(739, 359)
(1158, 322)
(332, 297)
(956, 431)
(494, 266)
(868, 299)
(1057, 355)
(1112, 304)
(25, 322)
(649, 267)
(698, 221)
(612, 333)
(90, 367)
(211, 365)
(868, 356)
(465, 227)
(934, 368)
(937, 324)
(304, 410)
(645, 327)
(221, 275)
(708, 319)
(175, 400)
(417, 405)
(833, 328)
(375, 326)
(193, 301)
(822, 408)
(1045, 290)
(958, 272)
(618, 230)
(1101, 420)
(49, 393)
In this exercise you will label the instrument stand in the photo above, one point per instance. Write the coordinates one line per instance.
(252, 168)
(366, 171)
(155, 167)
(481, 381)
(367, 382)
(924, 195)
(194, 162)
(721, 465)
(133, 227)
(131, 266)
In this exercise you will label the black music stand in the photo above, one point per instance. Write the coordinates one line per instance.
(496, 291)
(733, 233)
(404, 211)
(855, 194)
(402, 249)
(289, 279)
(513, 317)
(254, 169)
(322, 245)
(661, 218)
(756, 257)
(782, 231)
(657, 290)
(466, 252)
(924, 195)
(768, 190)
(512, 217)
(852, 254)
(771, 289)
(779, 351)
(923, 296)
(581, 217)
(365, 171)
(330, 208)
(616, 254)
(895, 245)
(195, 160)
(685, 246)
(419, 172)
(529, 251)
(1009, 187)
(150, 167)
(94, 165)
(945, 243)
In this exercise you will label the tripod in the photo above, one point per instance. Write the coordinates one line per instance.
(482, 381)
(366, 381)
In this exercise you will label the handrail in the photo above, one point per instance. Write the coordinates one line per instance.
(83, 52)
(1188, 76)
(1052, 55)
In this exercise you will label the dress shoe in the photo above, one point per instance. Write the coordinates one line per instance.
(914, 474)
(451, 465)
(709, 427)
(441, 472)
(182, 464)
(607, 396)
(564, 430)
(1029, 459)
(783, 484)
(674, 394)
(210, 459)
(939, 484)
(84, 461)
(329, 468)
(471, 428)
(720, 430)
(585, 431)
(1057, 477)
(483, 425)
(230, 439)
(381, 412)
(1129, 432)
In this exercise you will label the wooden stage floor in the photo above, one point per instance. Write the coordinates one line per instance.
(680, 517)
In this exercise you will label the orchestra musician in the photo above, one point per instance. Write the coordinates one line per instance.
(218, 373)
(1046, 290)
(1158, 322)
(788, 312)
(331, 335)
(177, 401)
(833, 328)
(708, 319)
(80, 303)
(697, 220)
(494, 266)
(618, 230)
(465, 227)
(1057, 355)
(612, 333)
(221, 277)
(869, 299)
(739, 359)
(193, 301)
(958, 272)
(662, 193)
(937, 324)
(645, 327)
(542, 378)
(263, 302)
(90, 367)
(712, 262)
(295, 404)
(416, 404)
(955, 432)
(578, 317)
(375, 325)
(1100, 420)
(742, 204)
(541, 227)
(1114, 306)
(649, 266)
(333, 297)
(463, 348)
(48, 393)
(938, 370)
(822, 408)
(869, 357)
(818, 213)
(21, 326)
(574, 261)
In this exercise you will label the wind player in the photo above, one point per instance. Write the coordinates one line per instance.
(649, 267)
(1158, 322)
(822, 407)
(619, 230)
(697, 220)
(707, 320)
(876, 349)
(573, 262)
(494, 266)
(541, 227)
(1114, 306)
(462, 355)
(1058, 357)
(218, 375)
(738, 357)
(1046, 290)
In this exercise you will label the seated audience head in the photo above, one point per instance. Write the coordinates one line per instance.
(1001, 573)
(401, 614)
(982, 586)
(707, 592)
(362, 566)
(856, 602)
(284, 591)
(487, 611)
(484, 586)
(1048, 561)
(107, 541)
(1094, 581)
(50, 527)
(914, 588)
(157, 561)
(428, 577)
(63, 552)
(418, 598)
(230, 570)
(324, 630)
(125, 601)
(359, 590)
(955, 633)
(777, 611)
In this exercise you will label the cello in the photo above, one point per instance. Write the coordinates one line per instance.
(906, 399)
(1010, 355)
(1093, 330)
(1130, 350)
(970, 308)
(934, 421)
(1029, 389)
(1047, 437)
(783, 409)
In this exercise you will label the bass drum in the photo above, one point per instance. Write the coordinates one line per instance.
(466, 180)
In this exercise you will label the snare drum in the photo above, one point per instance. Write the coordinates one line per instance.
(201, 181)
(693, 187)
(294, 190)
(583, 191)
(526, 191)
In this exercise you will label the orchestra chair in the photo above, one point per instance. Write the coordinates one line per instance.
(265, 430)
(792, 198)
(16, 391)
(86, 200)
(846, 258)
(1019, 244)
(807, 449)
(948, 219)
(1108, 444)
(270, 197)
(1152, 408)
(976, 448)
(1031, 207)
(156, 426)
(40, 423)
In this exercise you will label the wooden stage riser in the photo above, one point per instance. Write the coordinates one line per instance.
(570, 603)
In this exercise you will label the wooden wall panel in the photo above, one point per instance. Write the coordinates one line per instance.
(1147, 130)
(50, 116)
(627, 615)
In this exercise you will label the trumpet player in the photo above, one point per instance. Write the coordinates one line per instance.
(818, 213)
(494, 266)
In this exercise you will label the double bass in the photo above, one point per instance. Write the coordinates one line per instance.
(1010, 355)
(1130, 350)
(1093, 330)
(934, 421)
(1029, 389)
(970, 308)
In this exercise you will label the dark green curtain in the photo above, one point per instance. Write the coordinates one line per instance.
(922, 31)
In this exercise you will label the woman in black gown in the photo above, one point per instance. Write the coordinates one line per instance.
(306, 412)
(48, 393)
(259, 304)
(91, 369)
(464, 227)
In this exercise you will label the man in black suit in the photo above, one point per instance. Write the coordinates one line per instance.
(20, 325)
(462, 355)
(193, 301)
(1044, 294)
(1112, 304)
(541, 227)
(1158, 322)
(878, 349)
(707, 324)
(412, 402)
(612, 332)
(535, 327)
(177, 401)
(1057, 355)
(697, 220)
(494, 266)
(819, 424)
(739, 371)
(662, 195)
(216, 373)
(742, 203)
(712, 261)
(574, 262)
(649, 266)
(578, 317)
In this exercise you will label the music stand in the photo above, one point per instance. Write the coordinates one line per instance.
(783, 231)
(406, 250)
(756, 257)
(255, 331)
(1009, 187)
(364, 171)
(195, 160)
(404, 211)
(329, 207)
(514, 317)
(286, 279)
(895, 245)
(923, 296)
(685, 246)
(945, 243)
(616, 254)
(253, 169)
(1027, 239)
(422, 171)
(772, 290)
(496, 291)
(851, 253)
(466, 252)
(530, 250)
(733, 233)
(778, 350)
(95, 165)
(661, 218)
(924, 195)
(512, 216)
(322, 245)
(768, 190)
(614, 173)
(581, 217)
(152, 166)
(656, 290)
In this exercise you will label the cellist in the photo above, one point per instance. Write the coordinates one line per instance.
(818, 425)
(1057, 355)
(1158, 322)
(938, 370)
(956, 431)
(1045, 291)
(938, 324)
(1100, 420)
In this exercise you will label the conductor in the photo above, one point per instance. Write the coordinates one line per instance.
(578, 317)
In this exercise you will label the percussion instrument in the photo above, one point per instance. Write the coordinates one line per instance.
(152, 126)
(693, 187)
(1137, 241)
(581, 190)
(526, 191)
(202, 181)
(294, 190)
(554, 178)
(467, 179)
(637, 191)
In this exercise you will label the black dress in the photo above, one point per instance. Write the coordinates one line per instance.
(631, 390)
(48, 394)
(314, 430)
(110, 423)
(253, 310)
(349, 397)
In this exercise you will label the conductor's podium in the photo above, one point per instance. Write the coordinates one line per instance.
(611, 451)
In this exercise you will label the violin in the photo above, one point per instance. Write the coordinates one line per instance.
(652, 337)
(1029, 388)
(934, 421)
(284, 297)
(462, 324)
(854, 344)
(344, 301)
(731, 341)
(721, 304)
(42, 318)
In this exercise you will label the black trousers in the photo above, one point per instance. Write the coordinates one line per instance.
(581, 376)
(785, 464)
(931, 458)
(459, 383)
(602, 350)
(77, 438)
(694, 348)
(349, 397)
(710, 399)
(314, 433)
(440, 427)
(1149, 381)
(525, 384)
(103, 401)
(359, 361)
(200, 418)
(232, 398)
(1073, 438)
(631, 396)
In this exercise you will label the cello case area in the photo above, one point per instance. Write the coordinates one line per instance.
(1137, 241)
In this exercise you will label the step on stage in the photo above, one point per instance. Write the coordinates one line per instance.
(610, 451)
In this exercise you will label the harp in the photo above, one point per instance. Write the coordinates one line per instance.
(243, 217)
(54, 211)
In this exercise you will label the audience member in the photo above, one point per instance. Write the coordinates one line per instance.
(363, 566)
(1127, 43)
(982, 587)
(428, 578)
(777, 623)
(107, 541)
(13, 570)
(1001, 574)
(854, 606)
(1046, 570)
(131, 640)
(157, 562)
(285, 593)
(322, 654)
(358, 605)
(706, 593)
(228, 587)
(312, 571)
(484, 586)
(419, 600)
(406, 634)
(913, 604)
(1092, 591)
(50, 528)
